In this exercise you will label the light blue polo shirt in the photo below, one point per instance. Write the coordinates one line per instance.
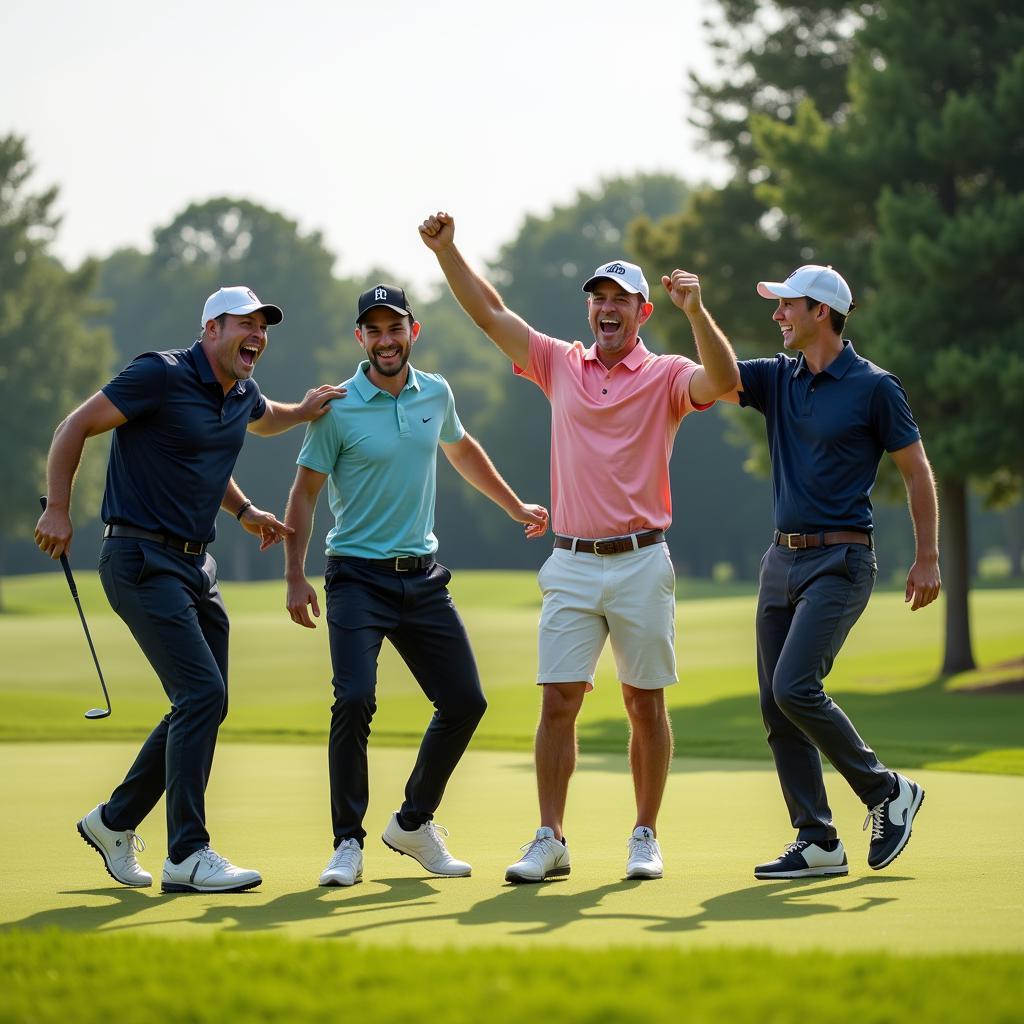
(380, 455)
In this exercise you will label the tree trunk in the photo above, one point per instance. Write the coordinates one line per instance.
(1015, 539)
(955, 575)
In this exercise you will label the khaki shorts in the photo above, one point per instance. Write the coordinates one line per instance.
(587, 598)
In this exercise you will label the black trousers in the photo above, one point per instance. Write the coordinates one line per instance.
(807, 604)
(171, 603)
(365, 604)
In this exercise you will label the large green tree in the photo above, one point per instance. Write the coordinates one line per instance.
(926, 173)
(49, 357)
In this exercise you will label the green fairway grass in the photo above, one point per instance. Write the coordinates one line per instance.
(935, 937)
(57, 978)
(280, 675)
(268, 808)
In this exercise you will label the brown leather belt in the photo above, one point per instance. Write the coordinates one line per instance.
(796, 541)
(611, 545)
(189, 547)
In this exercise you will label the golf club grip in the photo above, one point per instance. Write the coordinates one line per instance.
(64, 563)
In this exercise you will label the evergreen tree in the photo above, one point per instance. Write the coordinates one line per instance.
(926, 174)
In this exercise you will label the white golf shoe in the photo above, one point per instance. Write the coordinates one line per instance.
(117, 849)
(426, 846)
(644, 860)
(544, 857)
(345, 866)
(206, 871)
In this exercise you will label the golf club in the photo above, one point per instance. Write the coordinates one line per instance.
(92, 712)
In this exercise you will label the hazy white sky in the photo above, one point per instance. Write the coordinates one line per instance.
(356, 119)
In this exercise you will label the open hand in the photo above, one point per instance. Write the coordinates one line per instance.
(264, 525)
(317, 400)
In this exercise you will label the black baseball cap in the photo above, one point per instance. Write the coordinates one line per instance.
(383, 295)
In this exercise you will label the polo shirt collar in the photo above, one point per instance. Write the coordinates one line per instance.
(837, 368)
(367, 389)
(205, 370)
(633, 361)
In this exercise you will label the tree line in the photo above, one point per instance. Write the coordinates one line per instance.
(883, 138)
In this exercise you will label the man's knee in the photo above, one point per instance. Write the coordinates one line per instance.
(354, 701)
(561, 702)
(644, 707)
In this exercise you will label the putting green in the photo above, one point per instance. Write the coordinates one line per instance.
(955, 889)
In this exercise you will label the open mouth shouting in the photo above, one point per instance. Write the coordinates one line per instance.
(248, 353)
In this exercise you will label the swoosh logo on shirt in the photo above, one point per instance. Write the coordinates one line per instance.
(428, 419)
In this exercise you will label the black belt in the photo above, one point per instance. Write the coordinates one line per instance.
(819, 540)
(189, 547)
(400, 563)
(611, 545)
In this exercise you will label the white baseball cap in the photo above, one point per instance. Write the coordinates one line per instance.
(821, 283)
(627, 275)
(238, 300)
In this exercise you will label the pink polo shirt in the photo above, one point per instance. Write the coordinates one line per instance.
(612, 433)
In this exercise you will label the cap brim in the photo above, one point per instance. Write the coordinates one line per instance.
(776, 290)
(588, 285)
(383, 305)
(273, 313)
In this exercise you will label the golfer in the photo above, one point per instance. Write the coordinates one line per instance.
(615, 411)
(377, 453)
(829, 415)
(179, 419)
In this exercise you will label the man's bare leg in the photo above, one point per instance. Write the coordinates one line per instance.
(650, 750)
(555, 749)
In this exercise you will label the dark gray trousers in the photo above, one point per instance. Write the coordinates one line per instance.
(415, 612)
(172, 605)
(807, 604)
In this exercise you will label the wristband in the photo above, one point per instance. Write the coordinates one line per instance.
(245, 504)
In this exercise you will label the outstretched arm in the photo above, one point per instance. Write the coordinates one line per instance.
(718, 374)
(282, 416)
(476, 296)
(923, 580)
(298, 518)
(473, 465)
(96, 415)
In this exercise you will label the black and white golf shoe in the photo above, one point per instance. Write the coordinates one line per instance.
(891, 821)
(805, 860)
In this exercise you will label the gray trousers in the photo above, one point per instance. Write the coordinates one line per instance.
(171, 604)
(807, 604)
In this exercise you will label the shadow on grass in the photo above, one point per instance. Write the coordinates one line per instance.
(524, 910)
(529, 910)
(907, 728)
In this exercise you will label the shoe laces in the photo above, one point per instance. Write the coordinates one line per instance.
(434, 833)
(135, 845)
(537, 847)
(876, 818)
(640, 846)
(794, 847)
(209, 856)
(346, 851)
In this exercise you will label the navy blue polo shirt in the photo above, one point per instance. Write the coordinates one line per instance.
(826, 435)
(170, 463)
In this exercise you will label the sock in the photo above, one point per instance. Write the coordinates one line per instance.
(828, 844)
(403, 823)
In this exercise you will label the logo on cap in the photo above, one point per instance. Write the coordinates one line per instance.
(615, 268)
(380, 294)
(251, 294)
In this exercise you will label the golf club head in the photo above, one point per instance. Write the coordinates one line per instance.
(98, 713)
